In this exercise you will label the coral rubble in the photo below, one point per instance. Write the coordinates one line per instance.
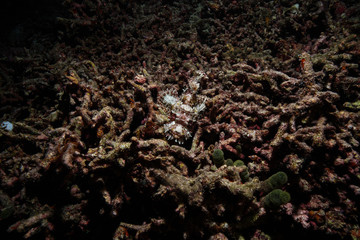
(181, 120)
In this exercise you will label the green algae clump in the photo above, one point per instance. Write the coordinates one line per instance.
(238, 163)
(229, 162)
(275, 181)
(276, 198)
(218, 157)
(245, 173)
(238, 148)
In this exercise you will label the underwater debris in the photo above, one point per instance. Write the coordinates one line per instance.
(8, 126)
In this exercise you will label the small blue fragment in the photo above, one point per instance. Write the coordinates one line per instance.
(7, 125)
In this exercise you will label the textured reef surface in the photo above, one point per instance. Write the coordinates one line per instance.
(180, 119)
